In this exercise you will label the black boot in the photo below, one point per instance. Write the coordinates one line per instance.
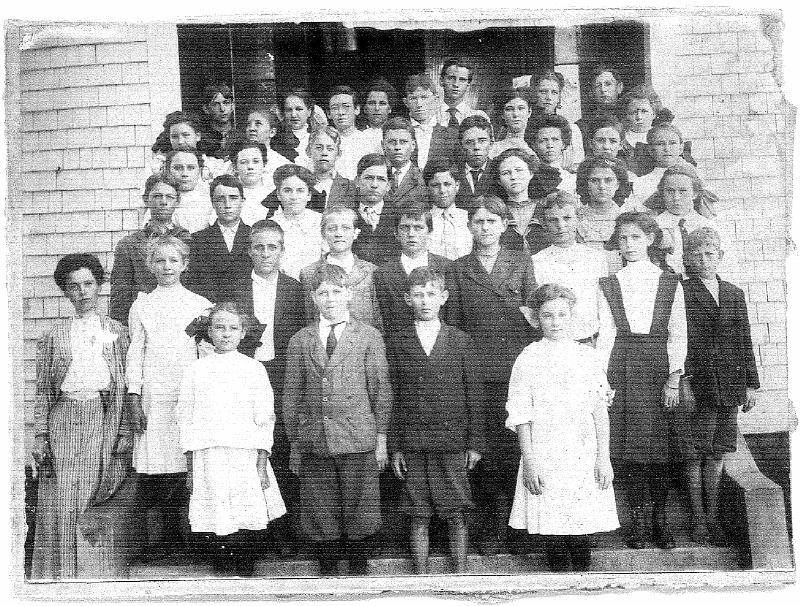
(638, 532)
(662, 536)
(358, 557)
(328, 557)
(580, 552)
(557, 554)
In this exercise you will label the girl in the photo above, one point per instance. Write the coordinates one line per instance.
(547, 88)
(646, 361)
(159, 352)
(291, 141)
(249, 165)
(226, 420)
(557, 403)
(641, 107)
(194, 211)
(260, 128)
(78, 415)
(513, 106)
(551, 136)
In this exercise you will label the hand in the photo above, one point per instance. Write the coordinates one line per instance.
(124, 444)
(471, 458)
(41, 450)
(261, 465)
(381, 456)
(752, 400)
(670, 397)
(294, 459)
(532, 480)
(138, 418)
(603, 473)
(399, 465)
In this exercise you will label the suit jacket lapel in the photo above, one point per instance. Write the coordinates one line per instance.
(318, 355)
(345, 343)
(440, 346)
(408, 182)
(479, 275)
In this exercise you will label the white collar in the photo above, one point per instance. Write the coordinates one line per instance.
(323, 323)
(272, 279)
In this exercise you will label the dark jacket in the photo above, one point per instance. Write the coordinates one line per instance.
(379, 245)
(411, 190)
(343, 193)
(465, 191)
(213, 271)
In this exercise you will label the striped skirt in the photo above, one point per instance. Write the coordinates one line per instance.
(76, 439)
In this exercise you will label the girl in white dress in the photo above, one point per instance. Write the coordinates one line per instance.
(557, 403)
(159, 352)
(226, 420)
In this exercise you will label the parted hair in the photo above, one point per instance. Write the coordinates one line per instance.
(476, 121)
(345, 90)
(332, 274)
(646, 92)
(174, 152)
(243, 144)
(619, 168)
(439, 165)
(398, 123)
(560, 199)
(703, 236)
(167, 241)
(667, 126)
(155, 179)
(490, 203)
(417, 211)
(182, 117)
(265, 225)
(231, 308)
(226, 181)
(75, 261)
(330, 131)
(370, 160)
(211, 91)
(549, 121)
(685, 169)
(335, 211)
(381, 85)
(550, 292)
(458, 62)
(293, 170)
(420, 276)
(644, 221)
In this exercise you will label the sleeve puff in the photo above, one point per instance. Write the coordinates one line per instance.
(520, 393)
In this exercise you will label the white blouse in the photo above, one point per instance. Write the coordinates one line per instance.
(88, 370)
(302, 240)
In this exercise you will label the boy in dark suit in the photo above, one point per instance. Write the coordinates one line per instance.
(405, 179)
(436, 433)
(433, 140)
(475, 138)
(375, 219)
(336, 405)
(218, 259)
(722, 368)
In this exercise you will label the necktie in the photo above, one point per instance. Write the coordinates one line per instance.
(453, 122)
(371, 217)
(476, 177)
(394, 180)
(330, 343)
(684, 237)
(449, 236)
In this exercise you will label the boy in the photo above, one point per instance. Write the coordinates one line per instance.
(568, 263)
(375, 219)
(605, 97)
(218, 259)
(380, 98)
(456, 81)
(722, 368)
(450, 236)
(218, 123)
(436, 431)
(552, 134)
(405, 179)
(414, 225)
(343, 107)
(433, 140)
(475, 137)
(336, 405)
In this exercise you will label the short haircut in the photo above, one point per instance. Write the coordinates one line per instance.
(332, 274)
(475, 122)
(398, 123)
(439, 165)
(380, 85)
(551, 121)
(458, 62)
(703, 236)
(212, 90)
(300, 93)
(643, 92)
(555, 76)
(419, 81)
(337, 211)
(415, 210)
(293, 170)
(344, 90)
(174, 152)
(155, 179)
(267, 111)
(605, 120)
(560, 199)
(226, 181)
(181, 117)
(616, 165)
(550, 292)
(370, 160)
(603, 68)
(75, 261)
(325, 129)
(264, 226)
(422, 276)
(490, 203)
(685, 169)
(244, 144)
(667, 126)
(231, 308)
(167, 241)
(644, 221)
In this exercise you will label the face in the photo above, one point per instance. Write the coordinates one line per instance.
(372, 184)
(250, 166)
(183, 137)
(515, 175)
(296, 113)
(81, 289)
(161, 200)
(548, 95)
(259, 128)
(420, 104)
(343, 112)
(704, 260)
(332, 300)
(225, 331)
(476, 143)
(266, 250)
(516, 114)
(323, 152)
(398, 145)
(167, 265)
(339, 233)
(678, 194)
(549, 145)
(606, 143)
(633, 242)
(227, 203)
(426, 301)
(555, 318)
(602, 184)
(639, 116)
(666, 148)
(442, 189)
(220, 109)
(562, 225)
(294, 195)
(455, 83)
(377, 108)
(412, 233)
(606, 89)
(185, 169)
(486, 228)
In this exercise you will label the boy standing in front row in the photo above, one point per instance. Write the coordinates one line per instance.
(336, 405)
(436, 432)
(723, 373)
